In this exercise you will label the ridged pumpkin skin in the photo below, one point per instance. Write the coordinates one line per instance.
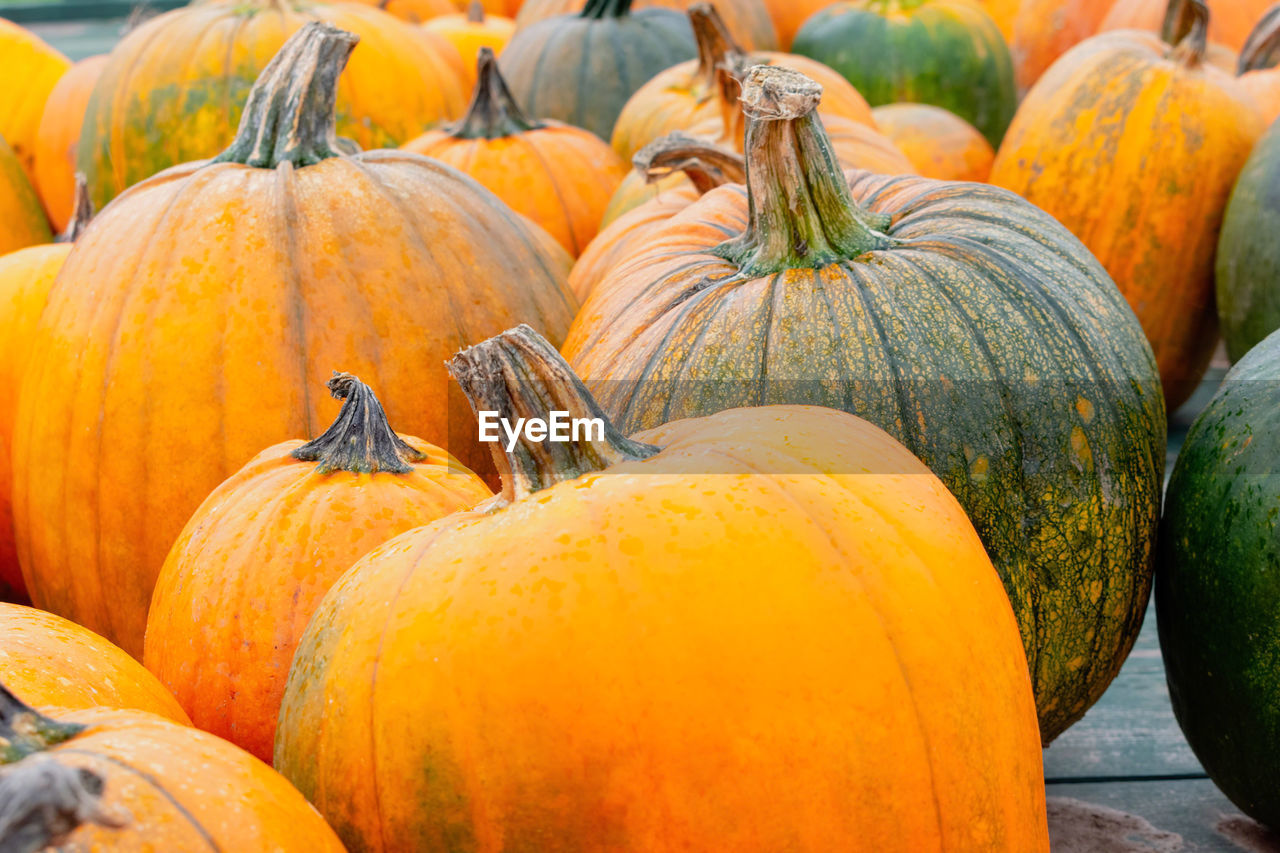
(173, 89)
(938, 143)
(254, 561)
(581, 69)
(948, 53)
(207, 283)
(31, 68)
(1046, 29)
(995, 348)
(1217, 588)
(747, 20)
(558, 175)
(22, 219)
(1230, 21)
(58, 137)
(54, 663)
(630, 659)
(1135, 148)
(471, 30)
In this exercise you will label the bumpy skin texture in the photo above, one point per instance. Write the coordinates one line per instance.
(991, 344)
(204, 285)
(1230, 21)
(1045, 29)
(938, 143)
(174, 88)
(31, 69)
(949, 53)
(747, 20)
(22, 219)
(682, 653)
(253, 563)
(1248, 263)
(1136, 150)
(1218, 585)
(58, 137)
(53, 663)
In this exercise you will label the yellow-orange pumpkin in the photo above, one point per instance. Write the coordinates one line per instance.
(471, 30)
(58, 136)
(748, 20)
(938, 142)
(31, 68)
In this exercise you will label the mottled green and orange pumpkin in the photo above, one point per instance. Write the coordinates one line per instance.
(967, 323)
(748, 20)
(22, 219)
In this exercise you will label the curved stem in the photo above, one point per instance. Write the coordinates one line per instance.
(81, 212)
(801, 213)
(606, 9)
(24, 730)
(1262, 49)
(360, 440)
(518, 375)
(705, 164)
(288, 117)
(42, 801)
(714, 42)
(733, 121)
(493, 112)
(1186, 26)
(475, 12)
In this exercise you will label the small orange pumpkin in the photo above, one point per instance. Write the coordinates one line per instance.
(471, 30)
(58, 135)
(938, 142)
(748, 20)
(31, 69)
(1259, 75)
(413, 11)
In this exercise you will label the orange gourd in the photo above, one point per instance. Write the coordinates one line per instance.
(1259, 76)
(22, 218)
(413, 11)
(558, 175)
(58, 136)
(266, 267)
(258, 555)
(31, 69)
(1230, 20)
(54, 663)
(769, 629)
(1044, 30)
(471, 30)
(747, 20)
(938, 142)
(1134, 145)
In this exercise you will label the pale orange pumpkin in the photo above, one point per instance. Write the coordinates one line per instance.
(413, 11)
(58, 136)
(1259, 76)
(938, 142)
(1230, 21)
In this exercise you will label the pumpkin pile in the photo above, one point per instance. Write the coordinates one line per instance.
(628, 424)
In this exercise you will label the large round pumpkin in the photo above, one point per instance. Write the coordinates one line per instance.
(1257, 66)
(748, 20)
(967, 323)
(1043, 30)
(106, 779)
(173, 89)
(264, 268)
(1134, 145)
(31, 69)
(471, 30)
(558, 175)
(58, 136)
(258, 555)
(54, 663)
(1218, 588)
(1231, 23)
(620, 648)
(22, 219)
(948, 53)
(938, 143)
(583, 68)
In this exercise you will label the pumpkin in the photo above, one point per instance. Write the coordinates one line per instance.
(258, 555)
(172, 89)
(1217, 591)
(948, 53)
(288, 258)
(621, 650)
(938, 143)
(22, 219)
(1134, 145)
(687, 95)
(1259, 76)
(581, 69)
(414, 11)
(1044, 30)
(32, 69)
(58, 135)
(967, 323)
(55, 663)
(472, 30)
(106, 779)
(1230, 23)
(1172, 20)
(558, 175)
(747, 20)
(1004, 13)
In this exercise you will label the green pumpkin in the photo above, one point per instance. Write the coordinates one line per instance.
(1248, 261)
(1218, 585)
(948, 53)
(581, 69)
(964, 321)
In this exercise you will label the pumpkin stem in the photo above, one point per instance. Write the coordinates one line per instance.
(715, 44)
(81, 213)
(729, 77)
(518, 376)
(475, 12)
(801, 213)
(598, 9)
(1186, 26)
(705, 164)
(42, 801)
(360, 440)
(1262, 49)
(493, 113)
(288, 117)
(24, 730)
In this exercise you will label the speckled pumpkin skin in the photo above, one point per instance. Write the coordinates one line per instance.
(996, 349)
(1136, 152)
(1218, 585)
(747, 20)
(58, 137)
(174, 88)
(30, 69)
(22, 219)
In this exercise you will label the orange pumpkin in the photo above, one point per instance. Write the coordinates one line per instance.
(686, 95)
(54, 663)
(287, 257)
(59, 133)
(254, 561)
(620, 648)
(472, 30)
(1230, 20)
(747, 20)
(1043, 30)
(558, 175)
(1134, 145)
(22, 219)
(1004, 13)
(414, 11)
(938, 142)
(105, 779)
(31, 70)
(1259, 76)
(1172, 20)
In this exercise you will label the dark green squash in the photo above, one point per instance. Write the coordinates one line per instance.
(1248, 260)
(948, 53)
(966, 322)
(583, 68)
(1218, 585)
